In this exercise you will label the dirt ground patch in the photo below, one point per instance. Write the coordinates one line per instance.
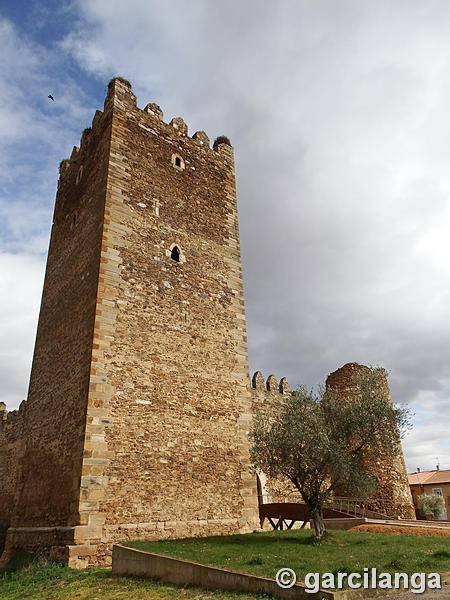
(399, 530)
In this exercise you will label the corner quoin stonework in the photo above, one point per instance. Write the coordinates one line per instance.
(139, 406)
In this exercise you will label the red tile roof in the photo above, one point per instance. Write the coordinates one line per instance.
(429, 477)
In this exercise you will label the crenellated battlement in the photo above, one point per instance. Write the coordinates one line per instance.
(271, 385)
(69, 168)
(120, 96)
(268, 395)
(12, 417)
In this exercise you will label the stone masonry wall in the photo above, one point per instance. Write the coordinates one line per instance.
(53, 423)
(10, 460)
(169, 405)
(393, 496)
(267, 398)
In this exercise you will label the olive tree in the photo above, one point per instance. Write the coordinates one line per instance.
(432, 505)
(322, 442)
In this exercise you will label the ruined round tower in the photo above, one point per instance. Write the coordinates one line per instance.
(139, 405)
(393, 496)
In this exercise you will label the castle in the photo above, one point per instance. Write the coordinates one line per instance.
(139, 401)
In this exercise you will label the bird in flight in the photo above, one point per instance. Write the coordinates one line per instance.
(51, 97)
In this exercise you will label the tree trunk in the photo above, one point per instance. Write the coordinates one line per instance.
(317, 519)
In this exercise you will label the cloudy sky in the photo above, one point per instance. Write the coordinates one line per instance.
(339, 115)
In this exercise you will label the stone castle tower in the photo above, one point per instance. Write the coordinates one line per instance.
(393, 496)
(138, 405)
(140, 400)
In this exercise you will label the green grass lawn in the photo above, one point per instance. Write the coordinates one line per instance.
(28, 578)
(264, 553)
(35, 579)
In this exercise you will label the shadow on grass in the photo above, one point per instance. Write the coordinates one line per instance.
(255, 542)
(441, 554)
(247, 540)
(19, 561)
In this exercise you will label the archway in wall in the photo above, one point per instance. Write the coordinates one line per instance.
(259, 488)
(261, 482)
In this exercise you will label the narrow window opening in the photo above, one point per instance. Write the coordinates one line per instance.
(175, 254)
(177, 162)
(74, 221)
(79, 174)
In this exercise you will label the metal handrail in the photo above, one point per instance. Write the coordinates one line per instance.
(359, 507)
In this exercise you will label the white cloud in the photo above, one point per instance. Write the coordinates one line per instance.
(339, 117)
(20, 291)
(35, 134)
(427, 444)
